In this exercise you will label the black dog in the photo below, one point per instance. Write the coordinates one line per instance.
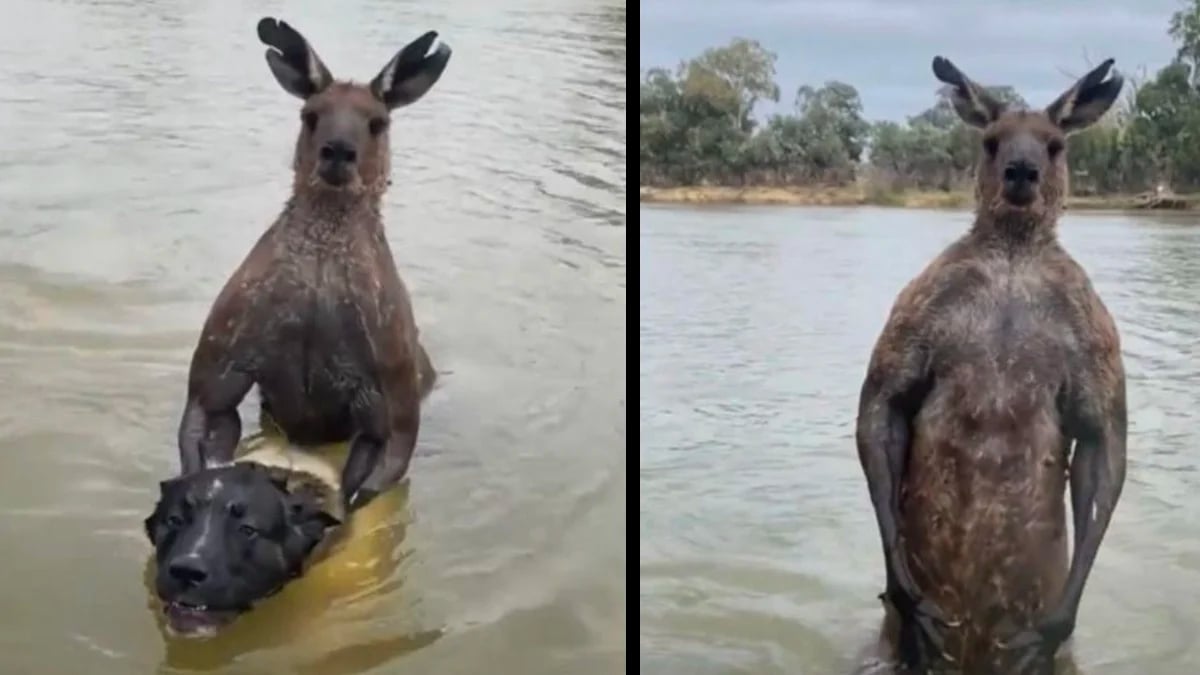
(228, 537)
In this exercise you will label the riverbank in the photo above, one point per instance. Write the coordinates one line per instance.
(855, 195)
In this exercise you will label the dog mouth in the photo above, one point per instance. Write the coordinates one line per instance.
(196, 621)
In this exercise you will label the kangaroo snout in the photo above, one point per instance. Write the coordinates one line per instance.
(338, 151)
(336, 162)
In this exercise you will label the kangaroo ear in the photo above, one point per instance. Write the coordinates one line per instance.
(972, 102)
(1087, 100)
(292, 60)
(412, 72)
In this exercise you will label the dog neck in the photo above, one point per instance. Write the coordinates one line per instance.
(302, 470)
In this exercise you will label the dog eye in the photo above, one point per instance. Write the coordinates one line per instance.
(248, 531)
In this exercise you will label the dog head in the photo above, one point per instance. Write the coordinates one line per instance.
(227, 537)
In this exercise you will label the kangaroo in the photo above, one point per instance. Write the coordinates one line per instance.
(996, 381)
(316, 315)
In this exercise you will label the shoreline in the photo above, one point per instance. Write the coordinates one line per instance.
(853, 195)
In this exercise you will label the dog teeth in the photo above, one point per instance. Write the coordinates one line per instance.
(184, 605)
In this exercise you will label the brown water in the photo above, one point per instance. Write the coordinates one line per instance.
(759, 550)
(146, 147)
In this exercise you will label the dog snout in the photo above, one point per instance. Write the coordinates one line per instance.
(188, 572)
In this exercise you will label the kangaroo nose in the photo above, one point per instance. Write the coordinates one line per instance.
(338, 151)
(189, 572)
(1020, 172)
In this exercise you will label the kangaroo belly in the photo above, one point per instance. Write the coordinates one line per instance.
(315, 419)
(984, 517)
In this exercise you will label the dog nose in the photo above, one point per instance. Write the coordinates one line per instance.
(189, 571)
(338, 151)
(1020, 172)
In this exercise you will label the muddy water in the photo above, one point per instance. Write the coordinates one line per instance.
(759, 549)
(146, 147)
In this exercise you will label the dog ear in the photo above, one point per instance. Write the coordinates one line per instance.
(325, 519)
(150, 523)
(307, 527)
(167, 491)
(170, 487)
(305, 511)
(308, 522)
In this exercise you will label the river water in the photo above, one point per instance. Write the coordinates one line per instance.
(146, 148)
(759, 550)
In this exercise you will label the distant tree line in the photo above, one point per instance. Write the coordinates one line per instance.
(698, 128)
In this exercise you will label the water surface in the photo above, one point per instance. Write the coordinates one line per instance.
(759, 550)
(146, 147)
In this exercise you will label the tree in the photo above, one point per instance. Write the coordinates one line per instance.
(662, 124)
(697, 126)
(1185, 30)
(1163, 118)
(734, 77)
(835, 109)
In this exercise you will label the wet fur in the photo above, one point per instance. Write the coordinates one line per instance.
(994, 360)
(317, 316)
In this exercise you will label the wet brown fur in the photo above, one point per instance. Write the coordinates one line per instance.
(994, 360)
(317, 315)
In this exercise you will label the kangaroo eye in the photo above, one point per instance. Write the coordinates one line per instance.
(991, 146)
(174, 521)
(377, 125)
(310, 119)
(247, 531)
(1054, 147)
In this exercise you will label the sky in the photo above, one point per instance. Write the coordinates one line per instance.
(884, 47)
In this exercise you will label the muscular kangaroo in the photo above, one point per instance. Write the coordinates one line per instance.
(997, 382)
(316, 315)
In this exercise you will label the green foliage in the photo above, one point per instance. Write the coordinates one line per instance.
(1185, 31)
(698, 127)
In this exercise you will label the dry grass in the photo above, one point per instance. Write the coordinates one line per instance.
(855, 195)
